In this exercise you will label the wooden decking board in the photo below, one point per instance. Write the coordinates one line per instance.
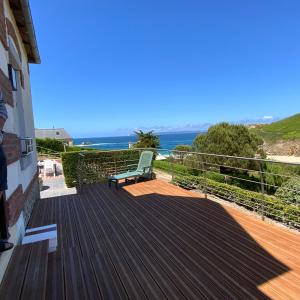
(206, 280)
(129, 279)
(245, 243)
(154, 277)
(138, 267)
(253, 264)
(35, 281)
(99, 216)
(167, 265)
(74, 279)
(250, 269)
(113, 257)
(55, 280)
(153, 240)
(12, 283)
(105, 271)
(203, 261)
(205, 229)
(211, 215)
(258, 225)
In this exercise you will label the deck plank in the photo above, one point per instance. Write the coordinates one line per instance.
(12, 283)
(36, 278)
(155, 240)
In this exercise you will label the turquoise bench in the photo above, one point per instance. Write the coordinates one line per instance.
(144, 169)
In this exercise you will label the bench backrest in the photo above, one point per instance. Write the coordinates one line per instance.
(145, 162)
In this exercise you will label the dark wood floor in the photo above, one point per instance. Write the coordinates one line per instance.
(153, 240)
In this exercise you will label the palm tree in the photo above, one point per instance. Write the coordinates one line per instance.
(146, 140)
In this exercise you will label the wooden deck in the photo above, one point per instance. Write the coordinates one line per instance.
(153, 240)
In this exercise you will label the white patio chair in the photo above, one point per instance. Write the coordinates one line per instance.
(49, 167)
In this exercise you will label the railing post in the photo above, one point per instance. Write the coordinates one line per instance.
(198, 163)
(262, 187)
(205, 179)
(79, 171)
(172, 167)
(115, 163)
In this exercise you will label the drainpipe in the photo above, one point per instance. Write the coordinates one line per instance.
(30, 30)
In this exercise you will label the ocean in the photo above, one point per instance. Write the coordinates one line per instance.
(167, 141)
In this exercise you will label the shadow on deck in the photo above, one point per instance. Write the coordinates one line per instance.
(154, 240)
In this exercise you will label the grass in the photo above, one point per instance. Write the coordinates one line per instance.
(286, 129)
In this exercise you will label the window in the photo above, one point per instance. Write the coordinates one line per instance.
(57, 132)
(26, 146)
(12, 73)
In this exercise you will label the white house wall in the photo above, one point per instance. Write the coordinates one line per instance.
(17, 176)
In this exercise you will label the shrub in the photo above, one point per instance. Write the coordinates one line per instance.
(271, 206)
(70, 163)
(172, 167)
(289, 192)
(185, 148)
(228, 139)
(146, 140)
(49, 144)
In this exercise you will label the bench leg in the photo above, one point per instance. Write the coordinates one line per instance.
(117, 184)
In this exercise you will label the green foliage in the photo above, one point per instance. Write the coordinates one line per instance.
(182, 155)
(186, 148)
(176, 168)
(288, 128)
(49, 144)
(146, 140)
(228, 139)
(272, 207)
(289, 192)
(250, 181)
(70, 164)
(96, 166)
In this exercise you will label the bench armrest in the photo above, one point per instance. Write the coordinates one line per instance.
(129, 167)
(149, 167)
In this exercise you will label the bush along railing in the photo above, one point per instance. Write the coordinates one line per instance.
(268, 187)
(273, 207)
(47, 152)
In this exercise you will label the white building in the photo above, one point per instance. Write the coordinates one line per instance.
(18, 48)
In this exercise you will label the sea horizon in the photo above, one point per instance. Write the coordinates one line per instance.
(168, 141)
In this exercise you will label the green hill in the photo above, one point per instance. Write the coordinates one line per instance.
(285, 129)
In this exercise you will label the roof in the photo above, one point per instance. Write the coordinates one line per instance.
(54, 133)
(22, 14)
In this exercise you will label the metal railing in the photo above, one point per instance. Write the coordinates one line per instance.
(253, 183)
(249, 182)
(96, 166)
(47, 153)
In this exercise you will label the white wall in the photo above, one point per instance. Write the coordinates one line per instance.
(17, 176)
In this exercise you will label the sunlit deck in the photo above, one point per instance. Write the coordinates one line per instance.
(155, 240)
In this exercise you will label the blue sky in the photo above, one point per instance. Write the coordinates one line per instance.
(112, 66)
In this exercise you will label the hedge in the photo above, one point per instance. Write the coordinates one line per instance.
(289, 192)
(70, 163)
(272, 206)
(96, 166)
(245, 181)
(176, 168)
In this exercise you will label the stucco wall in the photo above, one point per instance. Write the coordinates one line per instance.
(16, 175)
